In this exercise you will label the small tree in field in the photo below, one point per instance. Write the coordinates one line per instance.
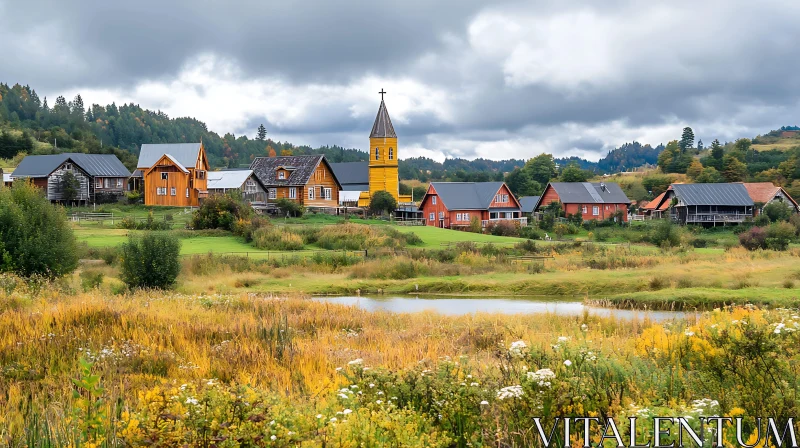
(35, 237)
(151, 261)
(382, 201)
(70, 186)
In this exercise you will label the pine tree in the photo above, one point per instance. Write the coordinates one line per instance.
(262, 132)
(716, 150)
(687, 139)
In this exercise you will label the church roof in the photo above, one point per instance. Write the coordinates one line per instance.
(383, 124)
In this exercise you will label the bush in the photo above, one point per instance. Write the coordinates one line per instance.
(35, 237)
(475, 225)
(134, 197)
(150, 223)
(754, 238)
(503, 228)
(220, 212)
(151, 261)
(777, 211)
(91, 279)
(531, 233)
(382, 201)
(246, 227)
(288, 207)
(779, 235)
(665, 234)
(275, 238)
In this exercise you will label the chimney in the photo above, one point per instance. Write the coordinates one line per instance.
(603, 186)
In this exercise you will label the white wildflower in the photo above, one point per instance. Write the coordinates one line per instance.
(567, 363)
(319, 415)
(272, 437)
(563, 339)
(542, 377)
(584, 327)
(484, 403)
(347, 411)
(191, 400)
(356, 362)
(517, 349)
(510, 392)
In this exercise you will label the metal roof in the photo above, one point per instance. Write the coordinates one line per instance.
(589, 193)
(95, 165)
(351, 173)
(467, 195)
(355, 187)
(265, 169)
(382, 128)
(528, 203)
(226, 180)
(713, 194)
(184, 153)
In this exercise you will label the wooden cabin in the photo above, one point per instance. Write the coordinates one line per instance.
(593, 200)
(454, 204)
(99, 177)
(308, 180)
(242, 182)
(708, 204)
(765, 193)
(174, 174)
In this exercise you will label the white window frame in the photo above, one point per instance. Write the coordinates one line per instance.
(441, 215)
(187, 192)
(595, 210)
(585, 210)
(391, 153)
(433, 200)
(164, 176)
(281, 174)
(292, 193)
(119, 182)
(432, 216)
(311, 193)
(458, 216)
(106, 183)
(273, 193)
(173, 191)
(465, 216)
(161, 191)
(98, 183)
(249, 186)
(328, 194)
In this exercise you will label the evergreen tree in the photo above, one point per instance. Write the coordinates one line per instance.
(262, 132)
(700, 146)
(687, 139)
(716, 150)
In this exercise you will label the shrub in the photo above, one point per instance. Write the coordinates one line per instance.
(150, 261)
(150, 223)
(779, 235)
(503, 228)
(665, 234)
(220, 212)
(754, 238)
(382, 201)
(531, 233)
(290, 208)
(91, 279)
(475, 225)
(246, 227)
(761, 220)
(35, 237)
(777, 211)
(275, 238)
(134, 197)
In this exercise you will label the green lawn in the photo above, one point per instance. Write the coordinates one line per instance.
(433, 237)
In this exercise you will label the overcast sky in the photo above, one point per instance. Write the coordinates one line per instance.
(465, 78)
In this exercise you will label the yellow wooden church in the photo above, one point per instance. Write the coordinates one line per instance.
(383, 155)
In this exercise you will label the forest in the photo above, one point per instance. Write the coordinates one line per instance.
(32, 126)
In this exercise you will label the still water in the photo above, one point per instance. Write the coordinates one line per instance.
(467, 305)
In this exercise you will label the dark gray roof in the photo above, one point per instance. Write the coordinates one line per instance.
(355, 187)
(467, 195)
(265, 169)
(183, 153)
(383, 124)
(528, 203)
(712, 194)
(589, 192)
(351, 173)
(95, 165)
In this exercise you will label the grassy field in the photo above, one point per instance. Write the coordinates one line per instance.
(780, 145)
(167, 369)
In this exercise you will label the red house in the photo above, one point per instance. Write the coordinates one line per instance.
(454, 204)
(594, 200)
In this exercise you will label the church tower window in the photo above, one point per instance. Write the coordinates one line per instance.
(391, 153)
(377, 153)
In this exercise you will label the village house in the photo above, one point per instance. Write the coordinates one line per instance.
(98, 177)
(243, 182)
(765, 193)
(593, 200)
(454, 204)
(528, 204)
(307, 180)
(174, 174)
(708, 204)
(656, 208)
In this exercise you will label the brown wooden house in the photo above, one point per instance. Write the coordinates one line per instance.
(308, 180)
(99, 177)
(454, 204)
(174, 174)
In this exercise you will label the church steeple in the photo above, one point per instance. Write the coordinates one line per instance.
(382, 128)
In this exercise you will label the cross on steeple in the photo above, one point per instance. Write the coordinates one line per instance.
(382, 92)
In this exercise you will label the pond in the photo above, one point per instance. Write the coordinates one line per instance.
(518, 305)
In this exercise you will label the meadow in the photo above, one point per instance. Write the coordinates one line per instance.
(169, 369)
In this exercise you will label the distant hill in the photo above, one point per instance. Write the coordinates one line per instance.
(786, 137)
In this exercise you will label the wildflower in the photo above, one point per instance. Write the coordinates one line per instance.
(343, 396)
(563, 339)
(319, 415)
(379, 402)
(567, 363)
(510, 392)
(333, 419)
(272, 437)
(338, 369)
(474, 384)
(689, 333)
(380, 392)
(542, 377)
(517, 349)
(484, 403)
(584, 327)
(347, 411)
(371, 385)
(191, 400)
(356, 362)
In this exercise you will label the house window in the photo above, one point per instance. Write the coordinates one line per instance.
(311, 193)
(187, 192)
(431, 217)
(68, 166)
(281, 175)
(98, 183)
(377, 153)
(292, 193)
(391, 153)
(250, 186)
(107, 182)
(493, 215)
(161, 191)
(433, 200)
(119, 183)
(164, 176)
(173, 191)
(465, 216)
(441, 215)
(501, 198)
(273, 193)
(595, 210)
(201, 174)
(584, 210)
(458, 216)
(328, 193)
